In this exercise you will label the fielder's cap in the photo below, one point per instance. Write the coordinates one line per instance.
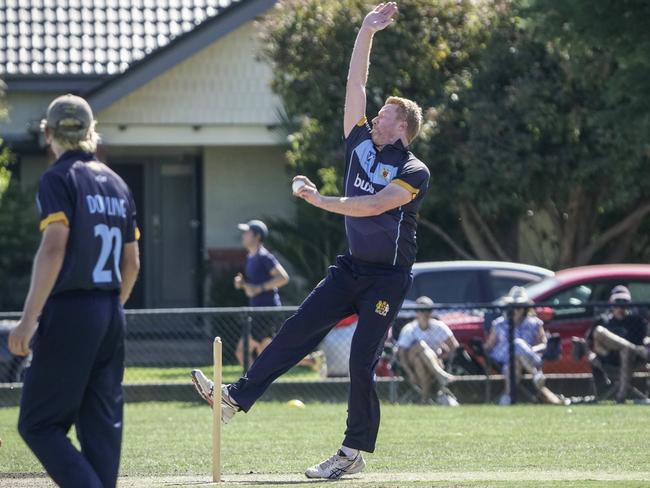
(424, 301)
(257, 226)
(620, 294)
(69, 113)
(517, 296)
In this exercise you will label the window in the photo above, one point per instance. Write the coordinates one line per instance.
(503, 280)
(640, 291)
(575, 296)
(447, 286)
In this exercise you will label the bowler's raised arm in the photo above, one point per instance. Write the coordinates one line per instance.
(355, 94)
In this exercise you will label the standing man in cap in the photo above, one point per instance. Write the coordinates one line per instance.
(73, 319)
(263, 276)
(617, 339)
(384, 187)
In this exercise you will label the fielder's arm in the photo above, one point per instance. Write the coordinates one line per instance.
(47, 266)
(129, 268)
(279, 278)
(355, 92)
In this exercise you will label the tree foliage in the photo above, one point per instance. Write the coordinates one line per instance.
(18, 233)
(615, 32)
(527, 144)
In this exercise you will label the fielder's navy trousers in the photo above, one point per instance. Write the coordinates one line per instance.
(375, 293)
(76, 378)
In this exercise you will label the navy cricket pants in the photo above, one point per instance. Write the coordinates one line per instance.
(350, 287)
(76, 378)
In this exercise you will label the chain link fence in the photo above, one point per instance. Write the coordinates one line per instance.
(164, 345)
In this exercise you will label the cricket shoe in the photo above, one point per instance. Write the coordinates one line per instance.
(205, 388)
(336, 466)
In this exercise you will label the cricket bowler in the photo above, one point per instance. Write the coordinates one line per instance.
(384, 187)
(73, 319)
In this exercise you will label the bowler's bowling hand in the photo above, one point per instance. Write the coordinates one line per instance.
(308, 192)
(20, 337)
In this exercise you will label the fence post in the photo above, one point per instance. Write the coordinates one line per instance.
(512, 373)
(247, 327)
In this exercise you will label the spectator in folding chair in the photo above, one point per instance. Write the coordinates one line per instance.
(423, 347)
(618, 340)
(530, 342)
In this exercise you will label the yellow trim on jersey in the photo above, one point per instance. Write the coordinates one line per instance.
(53, 217)
(362, 121)
(138, 234)
(406, 186)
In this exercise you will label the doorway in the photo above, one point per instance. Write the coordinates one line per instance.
(168, 201)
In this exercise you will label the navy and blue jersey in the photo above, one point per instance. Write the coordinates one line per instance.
(389, 238)
(258, 271)
(97, 206)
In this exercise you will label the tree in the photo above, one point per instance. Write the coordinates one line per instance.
(18, 232)
(615, 32)
(530, 145)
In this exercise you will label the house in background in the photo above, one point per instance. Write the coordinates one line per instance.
(184, 109)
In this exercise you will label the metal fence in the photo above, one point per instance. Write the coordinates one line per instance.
(164, 345)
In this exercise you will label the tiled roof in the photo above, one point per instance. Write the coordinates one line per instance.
(92, 37)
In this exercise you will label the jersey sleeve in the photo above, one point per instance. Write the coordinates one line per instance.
(446, 331)
(132, 230)
(359, 133)
(414, 177)
(55, 204)
(269, 262)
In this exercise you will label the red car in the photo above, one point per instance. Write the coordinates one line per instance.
(577, 288)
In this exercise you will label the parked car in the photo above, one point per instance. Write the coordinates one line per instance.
(468, 281)
(463, 282)
(578, 289)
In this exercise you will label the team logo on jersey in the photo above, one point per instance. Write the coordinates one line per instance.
(382, 308)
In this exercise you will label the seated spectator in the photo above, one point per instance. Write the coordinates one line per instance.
(618, 339)
(423, 347)
(530, 341)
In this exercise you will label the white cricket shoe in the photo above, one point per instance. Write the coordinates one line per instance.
(205, 388)
(336, 466)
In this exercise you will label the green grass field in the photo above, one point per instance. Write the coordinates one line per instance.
(168, 444)
(231, 373)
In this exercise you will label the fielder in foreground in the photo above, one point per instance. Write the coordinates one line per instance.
(84, 271)
(384, 187)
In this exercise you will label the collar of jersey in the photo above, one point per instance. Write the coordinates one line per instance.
(396, 147)
(76, 155)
